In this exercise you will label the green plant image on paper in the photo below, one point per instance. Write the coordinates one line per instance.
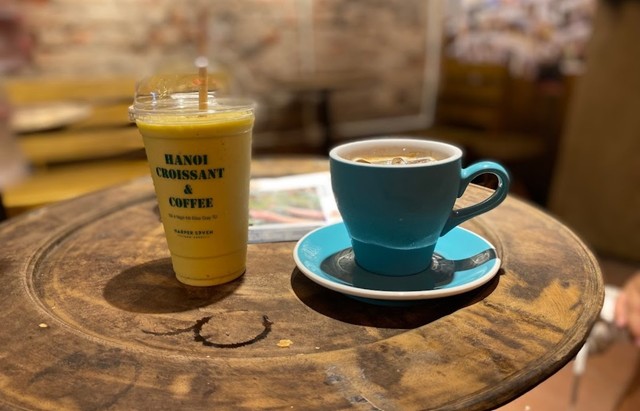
(298, 205)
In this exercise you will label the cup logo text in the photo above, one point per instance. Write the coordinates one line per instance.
(202, 173)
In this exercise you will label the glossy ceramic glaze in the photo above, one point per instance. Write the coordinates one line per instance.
(464, 262)
(395, 214)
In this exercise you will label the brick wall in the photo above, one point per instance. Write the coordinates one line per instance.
(258, 41)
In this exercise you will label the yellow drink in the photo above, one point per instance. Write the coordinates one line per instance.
(200, 165)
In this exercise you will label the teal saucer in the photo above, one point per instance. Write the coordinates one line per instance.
(462, 262)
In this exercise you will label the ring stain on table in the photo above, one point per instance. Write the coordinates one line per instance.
(196, 329)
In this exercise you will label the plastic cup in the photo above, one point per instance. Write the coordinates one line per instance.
(199, 158)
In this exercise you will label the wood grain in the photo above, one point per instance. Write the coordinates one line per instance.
(94, 319)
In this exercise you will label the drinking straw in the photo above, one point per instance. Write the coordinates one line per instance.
(201, 64)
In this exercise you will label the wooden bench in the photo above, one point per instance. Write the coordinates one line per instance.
(90, 152)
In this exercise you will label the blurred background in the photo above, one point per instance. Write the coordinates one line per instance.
(549, 88)
(492, 76)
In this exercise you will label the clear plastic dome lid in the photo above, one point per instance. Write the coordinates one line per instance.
(183, 95)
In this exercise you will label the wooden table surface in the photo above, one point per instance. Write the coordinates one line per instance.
(94, 319)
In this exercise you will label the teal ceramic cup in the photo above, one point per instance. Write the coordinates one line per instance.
(395, 213)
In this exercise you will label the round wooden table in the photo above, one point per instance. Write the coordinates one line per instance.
(93, 318)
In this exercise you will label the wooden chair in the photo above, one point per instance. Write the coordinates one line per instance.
(97, 148)
(494, 115)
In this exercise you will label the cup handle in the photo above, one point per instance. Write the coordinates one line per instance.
(468, 174)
